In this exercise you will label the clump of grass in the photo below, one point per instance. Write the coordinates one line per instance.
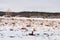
(11, 29)
(24, 29)
(11, 36)
(28, 25)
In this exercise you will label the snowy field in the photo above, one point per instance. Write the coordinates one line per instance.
(29, 29)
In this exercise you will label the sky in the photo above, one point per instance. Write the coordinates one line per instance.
(30, 5)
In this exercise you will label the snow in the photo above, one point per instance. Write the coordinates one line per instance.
(16, 29)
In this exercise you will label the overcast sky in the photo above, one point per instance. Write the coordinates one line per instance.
(30, 5)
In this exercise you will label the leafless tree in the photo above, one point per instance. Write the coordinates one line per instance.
(8, 12)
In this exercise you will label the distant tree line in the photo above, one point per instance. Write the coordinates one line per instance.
(29, 14)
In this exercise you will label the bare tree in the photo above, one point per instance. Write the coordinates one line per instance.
(8, 12)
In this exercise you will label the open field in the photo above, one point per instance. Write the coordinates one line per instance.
(17, 28)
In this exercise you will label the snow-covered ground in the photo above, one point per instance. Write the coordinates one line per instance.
(22, 28)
